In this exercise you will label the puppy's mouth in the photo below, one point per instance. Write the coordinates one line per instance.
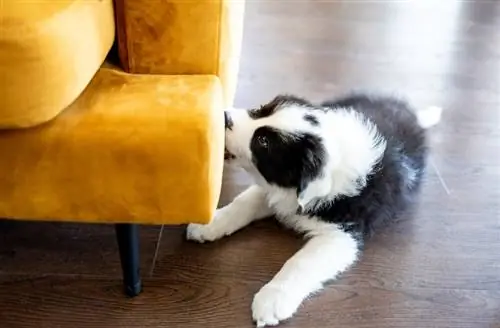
(228, 155)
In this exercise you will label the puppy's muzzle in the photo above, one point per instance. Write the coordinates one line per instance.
(228, 122)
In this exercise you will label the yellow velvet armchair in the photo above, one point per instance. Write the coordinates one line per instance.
(82, 140)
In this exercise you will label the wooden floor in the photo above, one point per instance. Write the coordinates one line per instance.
(438, 268)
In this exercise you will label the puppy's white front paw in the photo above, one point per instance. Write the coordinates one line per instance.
(208, 232)
(273, 304)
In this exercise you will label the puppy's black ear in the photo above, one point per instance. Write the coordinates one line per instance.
(277, 103)
(289, 99)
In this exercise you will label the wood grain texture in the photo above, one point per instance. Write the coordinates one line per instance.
(47, 248)
(438, 267)
(186, 303)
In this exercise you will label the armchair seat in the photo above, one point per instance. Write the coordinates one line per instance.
(131, 149)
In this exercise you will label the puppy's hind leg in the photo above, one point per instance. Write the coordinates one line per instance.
(328, 252)
(249, 206)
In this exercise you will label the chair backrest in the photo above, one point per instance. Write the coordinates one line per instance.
(49, 52)
(181, 37)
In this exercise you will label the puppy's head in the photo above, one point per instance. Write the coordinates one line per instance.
(283, 143)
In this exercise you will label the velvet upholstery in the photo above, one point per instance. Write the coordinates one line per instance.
(131, 148)
(49, 51)
(182, 37)
(86, 142)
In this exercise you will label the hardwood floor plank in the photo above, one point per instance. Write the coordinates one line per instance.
(66, 248)
(183, 302)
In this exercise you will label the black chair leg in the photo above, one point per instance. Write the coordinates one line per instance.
(127, 236)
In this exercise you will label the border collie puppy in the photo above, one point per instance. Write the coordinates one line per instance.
(333, 171)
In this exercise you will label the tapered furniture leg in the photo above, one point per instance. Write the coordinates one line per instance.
(127, 236)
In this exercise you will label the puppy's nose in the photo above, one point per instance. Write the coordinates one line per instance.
(228, 122)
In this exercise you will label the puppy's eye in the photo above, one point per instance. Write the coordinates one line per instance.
(262, 141)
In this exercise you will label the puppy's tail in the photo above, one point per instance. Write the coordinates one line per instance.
(430, 116)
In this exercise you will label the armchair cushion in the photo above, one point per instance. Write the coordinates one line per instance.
(49, 52)
(131, 148)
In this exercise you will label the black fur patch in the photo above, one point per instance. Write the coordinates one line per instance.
(288, 160)
(276, 104)
(387, 191)
(311, 119)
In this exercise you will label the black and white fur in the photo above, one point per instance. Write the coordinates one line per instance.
(333, 171)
